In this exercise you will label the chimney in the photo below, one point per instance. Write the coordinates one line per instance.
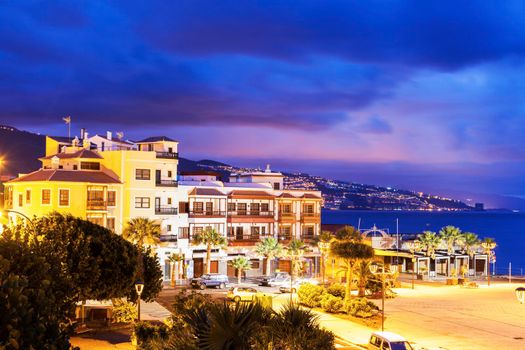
(108, 135)
(75, 142)
(267, 169)
(82, 132)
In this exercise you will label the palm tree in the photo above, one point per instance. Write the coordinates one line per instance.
(348, 233)
(429, 242)
(270, 248)
(175, 259)
(211, 239)
(351, 253)
(323, 243)
(450, 235)
(142, 231)
(363, 275)
(470, 243)
(241, 263)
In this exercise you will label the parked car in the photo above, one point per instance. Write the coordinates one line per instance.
(210, 280)
(287, 288)
(388, 341)
(275, 279)
(241, 294)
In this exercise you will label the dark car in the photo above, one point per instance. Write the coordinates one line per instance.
(210, 280)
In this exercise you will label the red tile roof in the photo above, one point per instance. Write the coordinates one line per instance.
(206, 192)
(83, 153)
(311, 195)
(251, 194)
(68, 176)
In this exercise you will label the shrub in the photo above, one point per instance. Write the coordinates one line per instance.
(331, 303)
(360, 307)
(145, 333)
(124, 311)
(310, 294)
(337, 290)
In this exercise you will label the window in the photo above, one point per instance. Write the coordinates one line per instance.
(169, 173)
(183, 207)
(75, 167)
(184, 232)
(286, 231)
(231, 206)
(169, 201)
(255, 264)
(110, 224)
(309, 231)
(286, 208)
(198, 207)
(28, 196)
(265, 207)
(308, 208)
(96, 220)
(276, 186)
(168, 228)
(89, 166)
(46, 197)
(141, 202)
(255, 207)
(112, 198)
(63, 197)
(255, 230)
(241, 208)
(197, 230)
(20, 200)
(142, 174)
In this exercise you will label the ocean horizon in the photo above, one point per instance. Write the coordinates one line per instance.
(507, 228)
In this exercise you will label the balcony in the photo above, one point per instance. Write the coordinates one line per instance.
(245, 240)
(166, 183)
(311, 217)
(286, 216)
(168, 238)
(96, 204)
(250, 216)
(165, 211)
(206, 213)
(167, 155)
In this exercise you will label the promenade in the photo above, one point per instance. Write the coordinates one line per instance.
(447, 317)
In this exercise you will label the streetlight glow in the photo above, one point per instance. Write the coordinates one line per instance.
(520, 294)
(139, 288)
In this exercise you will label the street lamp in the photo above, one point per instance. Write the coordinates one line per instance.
(414, 247)
(323, 247)
(139, 287)
(520, 294)
(379, 270)
(488, 246)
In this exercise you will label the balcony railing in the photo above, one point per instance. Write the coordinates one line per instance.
(168, 238)
(310, 215)
(206, 213)
(286, 215)
(97, 204)
(168, 155)
(165, 211)
(265, 214)
(248, 237)
(167, 183)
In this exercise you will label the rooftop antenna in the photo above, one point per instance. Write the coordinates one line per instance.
(67, 120)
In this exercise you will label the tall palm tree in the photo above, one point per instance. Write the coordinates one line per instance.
(175, 259)
(241, 263)
(294, 251)
(212, 239)
(363, 274)
(323, 243)
(142, 231)
(351, 253)
(450, 235)
(270, 248)
(429, 242)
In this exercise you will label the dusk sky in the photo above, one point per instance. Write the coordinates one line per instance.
(419, 95)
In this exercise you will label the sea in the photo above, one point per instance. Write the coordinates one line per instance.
(506, 228)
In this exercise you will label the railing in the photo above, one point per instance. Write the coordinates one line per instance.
(286, 215)
(250, 237)
(265, 214)
(207, 213)
(310, 215)
(167, 183)
(167, 155)
(95, 204)
(168, 238)
(165, 211)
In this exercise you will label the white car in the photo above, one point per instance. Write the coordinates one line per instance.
(241, 294)
(388, 341)
(286, 288)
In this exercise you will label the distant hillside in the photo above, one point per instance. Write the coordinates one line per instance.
(20, 150)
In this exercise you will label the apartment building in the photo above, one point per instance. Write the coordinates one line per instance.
(109, 181)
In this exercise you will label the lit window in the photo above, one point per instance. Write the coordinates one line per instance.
(89, 166)
(111, 198)
(110, 224)
(63, 199)
(142, 174)
(46, 197)
(142, 202)
(28, 196)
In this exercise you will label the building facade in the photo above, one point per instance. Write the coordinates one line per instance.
(109, 181)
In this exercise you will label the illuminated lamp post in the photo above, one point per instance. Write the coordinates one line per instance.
(520, 294)
(414, 247)
(379, 270)
(324, 247)
(488, 246)
(139, 288)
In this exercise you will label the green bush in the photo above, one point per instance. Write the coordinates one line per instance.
(360, 307)
(331, 303)
(337, 290)
(124, 311)
(310, 294)
(146, 332)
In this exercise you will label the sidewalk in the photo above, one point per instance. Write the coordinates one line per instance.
(347, 330)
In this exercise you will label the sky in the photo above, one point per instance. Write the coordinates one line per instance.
(421, 95)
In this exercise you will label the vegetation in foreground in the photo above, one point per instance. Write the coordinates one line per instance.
(200, 323)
